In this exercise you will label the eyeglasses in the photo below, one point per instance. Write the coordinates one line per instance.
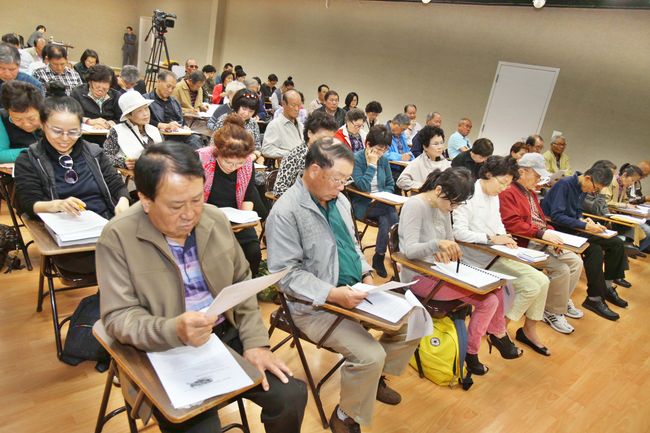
(341, 182)
(58, 133)
(70, 176)
(356, 125)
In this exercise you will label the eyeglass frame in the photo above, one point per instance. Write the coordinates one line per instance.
(62, 133)
(66, 177)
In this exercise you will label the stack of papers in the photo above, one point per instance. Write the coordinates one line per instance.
(607, 234)
(389, 196)
(193, 374)
(74, 230)
(526, 254)
(571, 240)
(210, 112)
(240, 216)
(385, 305)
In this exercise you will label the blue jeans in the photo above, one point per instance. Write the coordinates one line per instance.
(386, 215)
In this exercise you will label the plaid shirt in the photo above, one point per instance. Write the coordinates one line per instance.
(70, 78)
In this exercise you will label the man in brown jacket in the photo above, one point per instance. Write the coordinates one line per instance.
(166, 259)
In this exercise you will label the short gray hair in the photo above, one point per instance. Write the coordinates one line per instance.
(130, 74)
(166, 73)
(9, 54)
(432, 115)
(402, 119)
(234, 87)
(555, 138)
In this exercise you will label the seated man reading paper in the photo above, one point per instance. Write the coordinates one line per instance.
(165, 259)
(310, 229)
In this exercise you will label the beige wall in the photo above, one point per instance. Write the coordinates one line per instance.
(444, 57)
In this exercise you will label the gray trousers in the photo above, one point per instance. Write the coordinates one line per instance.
(366, 358)
(564, 271)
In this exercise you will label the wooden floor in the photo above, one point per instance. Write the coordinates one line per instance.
(597, 380)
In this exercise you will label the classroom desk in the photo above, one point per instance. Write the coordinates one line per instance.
(7, 192)
(577, 250)
(424, 268)
(399, 164)
(356, 191)
(49, 249)
(487, 249)
(135, 371)
(236, 228)
(627, 211)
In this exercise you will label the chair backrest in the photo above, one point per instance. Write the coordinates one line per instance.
(271, 177)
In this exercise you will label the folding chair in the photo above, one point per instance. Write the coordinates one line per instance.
(437, 309)
(281, 319)
(8, 195)
(368, 222)
(271, 177)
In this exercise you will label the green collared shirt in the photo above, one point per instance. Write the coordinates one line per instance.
(349, 261)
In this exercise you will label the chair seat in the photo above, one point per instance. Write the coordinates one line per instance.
(280, 320)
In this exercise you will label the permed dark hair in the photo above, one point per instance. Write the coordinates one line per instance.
(58, 101)
(428, 132)
(19, 96)
(159, 159)
(100, 74)
(245, 98)
(379, 135)
(456, 183)
(319, 120)
(499, 166)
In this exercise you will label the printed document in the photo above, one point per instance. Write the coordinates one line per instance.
(240, 216)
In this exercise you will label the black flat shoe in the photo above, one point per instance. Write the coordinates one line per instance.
(505, 346)
(612, 296)
(521, 336)
(600, 307)
(474, 366)
(623, 283)
(378, 265)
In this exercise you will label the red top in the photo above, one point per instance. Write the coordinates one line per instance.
(516, 214)
(216, 93)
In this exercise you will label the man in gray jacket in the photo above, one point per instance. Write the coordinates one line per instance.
(310, 229)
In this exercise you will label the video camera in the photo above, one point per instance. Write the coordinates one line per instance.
(161, 21)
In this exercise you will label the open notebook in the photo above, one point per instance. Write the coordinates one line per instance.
(469, 274)
(571, 240)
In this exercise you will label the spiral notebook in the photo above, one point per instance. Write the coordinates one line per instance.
(469, 274)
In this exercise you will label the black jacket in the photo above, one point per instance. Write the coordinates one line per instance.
(110, 109)
(157, 108)
(35, 182)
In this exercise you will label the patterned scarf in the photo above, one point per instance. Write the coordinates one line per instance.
(209, 162)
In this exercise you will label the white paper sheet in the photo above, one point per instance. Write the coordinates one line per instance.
(240, 216)
(387, 306)
(469, 274)
(568, 239)
(211, 109)
(640, 210)
(71, 229)
(391, 285)
(523, 253)
(389, 196)
(181, 131)
(232, 295)
(88, 129)
(193, 374)
(608, 233)
(259, 166)
(420, 322)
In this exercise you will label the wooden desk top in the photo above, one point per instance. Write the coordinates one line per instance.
(625, 211)
(424, 268)
(353, 190)
(400, 163)
(578, 250)
(236, 228)
(7, 168)
(372, 320)
(489, 250)
(136, 365)
(46, 243)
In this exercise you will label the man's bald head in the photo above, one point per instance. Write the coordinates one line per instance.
(645, 167)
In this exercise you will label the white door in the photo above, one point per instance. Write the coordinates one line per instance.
(517, 105)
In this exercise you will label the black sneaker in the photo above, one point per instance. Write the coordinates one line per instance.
(378, 265)
(612, 296)
(600, 307)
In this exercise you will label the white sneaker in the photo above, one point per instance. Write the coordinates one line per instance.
(558, 322)
(573, 312)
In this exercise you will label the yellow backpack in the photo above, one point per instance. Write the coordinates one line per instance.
(442, 354)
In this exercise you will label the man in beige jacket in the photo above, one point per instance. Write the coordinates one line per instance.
(168, 257)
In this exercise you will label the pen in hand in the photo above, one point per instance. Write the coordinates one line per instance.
(457, 265)
(365, 299)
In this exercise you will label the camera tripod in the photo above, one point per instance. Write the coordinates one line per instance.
(153, 63)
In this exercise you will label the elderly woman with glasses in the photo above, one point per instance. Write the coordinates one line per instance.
(229, 182)
(21, 123)
(64, 173)
(351, 133)
(425, 233)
